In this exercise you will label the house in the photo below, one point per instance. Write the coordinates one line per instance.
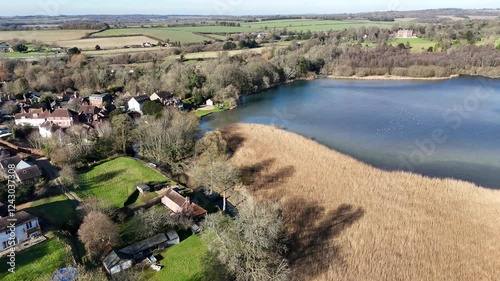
(143, 188)
(162, 97)
(63, 117)
(23, 171)
(25, 227)
(5, 48)
(33, 118)
(178, 204)
(88, 113)
(209, 102)
(99, 99)
(47, 129)
(405, 33)
(117, 261)
(28, 175)
(67, 95)
(136, 103)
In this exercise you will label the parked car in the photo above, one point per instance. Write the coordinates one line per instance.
(195, 229)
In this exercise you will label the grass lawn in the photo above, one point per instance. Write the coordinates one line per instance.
(180, 262)
(38, 262)
(417, 44)
(56, 210)
(115, 180)
(201, 113)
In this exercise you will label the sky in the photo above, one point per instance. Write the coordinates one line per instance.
(225, 7)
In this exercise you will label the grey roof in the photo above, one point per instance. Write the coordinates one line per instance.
(14, 160)
(28, 173)
(141, 99)
(99, 95)
(113, 259)
(164, 95)
(144, 244)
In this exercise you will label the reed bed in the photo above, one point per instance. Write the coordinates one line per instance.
(350, 221)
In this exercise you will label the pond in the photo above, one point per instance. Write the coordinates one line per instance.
(448, 128)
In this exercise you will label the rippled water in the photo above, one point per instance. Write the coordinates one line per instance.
(445, 128)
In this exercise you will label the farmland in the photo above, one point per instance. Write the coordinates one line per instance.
(113, 41)
(104, 43)
(115, 180)
(354, 221)
(312, 25)
(45, 36)
(161, 34)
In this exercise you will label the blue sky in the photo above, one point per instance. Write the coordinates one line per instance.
(226, 7)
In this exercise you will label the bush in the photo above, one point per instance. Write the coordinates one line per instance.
(344, 71)
(399, 71)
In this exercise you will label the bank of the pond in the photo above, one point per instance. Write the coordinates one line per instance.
(393, 77)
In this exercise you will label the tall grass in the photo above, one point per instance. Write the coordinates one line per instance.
(350, 221)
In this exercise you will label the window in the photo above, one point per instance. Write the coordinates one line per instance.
(4, 244)
(29, 225)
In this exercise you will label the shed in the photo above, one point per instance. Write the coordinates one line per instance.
(143, 188)
(173, 238)
(116, 262)
(210, 102)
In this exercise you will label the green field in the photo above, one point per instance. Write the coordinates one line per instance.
(38, 262)
(55, 210)
(187, 34)
(113, 181)
(416, 44)
(162, 34)
(180, 262)
(312, 25)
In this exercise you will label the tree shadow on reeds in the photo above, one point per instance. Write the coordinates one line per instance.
(311, 233)
(257, 177)
(233, 139)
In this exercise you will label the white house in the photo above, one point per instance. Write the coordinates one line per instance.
(33, 118)
(136, 103)
(47, 128)
(210, 102)
(26, 227)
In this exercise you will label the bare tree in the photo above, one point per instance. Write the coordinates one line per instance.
(36, 140)
(69, 175)
(169, 138)
(147, 223)
(216, 174)
(252, 246)
(211, 145)
(9, 107)
(96, 233)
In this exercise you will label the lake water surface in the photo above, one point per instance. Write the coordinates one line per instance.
(447, 128)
